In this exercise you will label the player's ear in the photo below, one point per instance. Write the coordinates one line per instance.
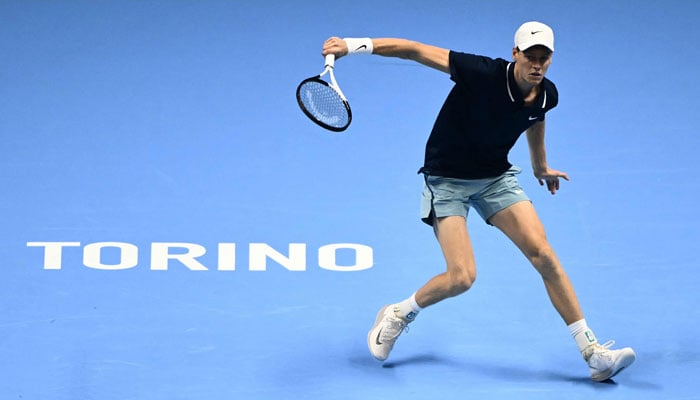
(515, 52)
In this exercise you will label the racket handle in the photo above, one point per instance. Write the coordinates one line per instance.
(330, 61)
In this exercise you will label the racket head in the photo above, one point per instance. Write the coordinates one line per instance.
(323, 104)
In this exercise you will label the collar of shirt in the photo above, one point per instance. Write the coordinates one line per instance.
(515, 95)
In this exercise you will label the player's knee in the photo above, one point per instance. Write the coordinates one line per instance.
(461, 281)
(544, 259)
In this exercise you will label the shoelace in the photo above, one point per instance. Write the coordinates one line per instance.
(396, 327)
(602, 355)
(604, 346)
(598, 349)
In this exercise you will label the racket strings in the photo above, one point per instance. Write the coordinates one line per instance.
(324, 104)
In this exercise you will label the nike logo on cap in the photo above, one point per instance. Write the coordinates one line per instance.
(532, 33)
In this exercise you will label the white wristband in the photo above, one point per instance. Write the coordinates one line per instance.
(359, 45)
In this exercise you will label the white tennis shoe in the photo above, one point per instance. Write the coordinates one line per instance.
(387, 328)
(605, 363)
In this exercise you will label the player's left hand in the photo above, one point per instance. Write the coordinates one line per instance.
(551, 177)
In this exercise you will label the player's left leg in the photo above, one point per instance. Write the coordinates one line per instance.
(522, 225)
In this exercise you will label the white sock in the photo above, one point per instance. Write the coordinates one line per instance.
(583, 335)
(407, 309)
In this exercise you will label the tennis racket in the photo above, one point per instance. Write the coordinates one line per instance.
(323, 102)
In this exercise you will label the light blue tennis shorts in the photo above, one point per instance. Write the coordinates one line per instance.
(444, 197)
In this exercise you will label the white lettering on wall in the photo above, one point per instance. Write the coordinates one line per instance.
(327, 256)
(166, 255)
(128, 255)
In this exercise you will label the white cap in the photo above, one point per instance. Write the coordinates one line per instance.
(532, 34)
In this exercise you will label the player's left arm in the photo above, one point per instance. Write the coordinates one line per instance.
(538, 158)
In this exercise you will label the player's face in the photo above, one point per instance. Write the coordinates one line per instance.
(533, 63)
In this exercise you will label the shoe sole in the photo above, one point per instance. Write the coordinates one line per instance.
(623, 362)
(372, 333)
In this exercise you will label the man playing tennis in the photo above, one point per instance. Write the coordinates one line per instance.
(466, 166)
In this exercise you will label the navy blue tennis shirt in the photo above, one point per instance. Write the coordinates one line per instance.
(482, 118)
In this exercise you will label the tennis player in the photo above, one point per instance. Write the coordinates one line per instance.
(492, 102)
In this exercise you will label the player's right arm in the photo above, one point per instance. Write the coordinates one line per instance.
(431, 56)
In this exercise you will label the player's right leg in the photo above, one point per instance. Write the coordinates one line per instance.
(459, 276)
(460, 273)
(444, 206)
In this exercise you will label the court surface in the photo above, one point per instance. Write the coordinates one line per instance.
(173, 227)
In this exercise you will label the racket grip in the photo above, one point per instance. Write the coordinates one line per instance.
(330, 60)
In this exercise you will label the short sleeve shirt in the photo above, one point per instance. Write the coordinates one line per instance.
(482, 118)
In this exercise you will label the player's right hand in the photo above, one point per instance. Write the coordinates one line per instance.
(335, 46)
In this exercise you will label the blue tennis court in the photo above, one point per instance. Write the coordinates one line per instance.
(173, 227)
